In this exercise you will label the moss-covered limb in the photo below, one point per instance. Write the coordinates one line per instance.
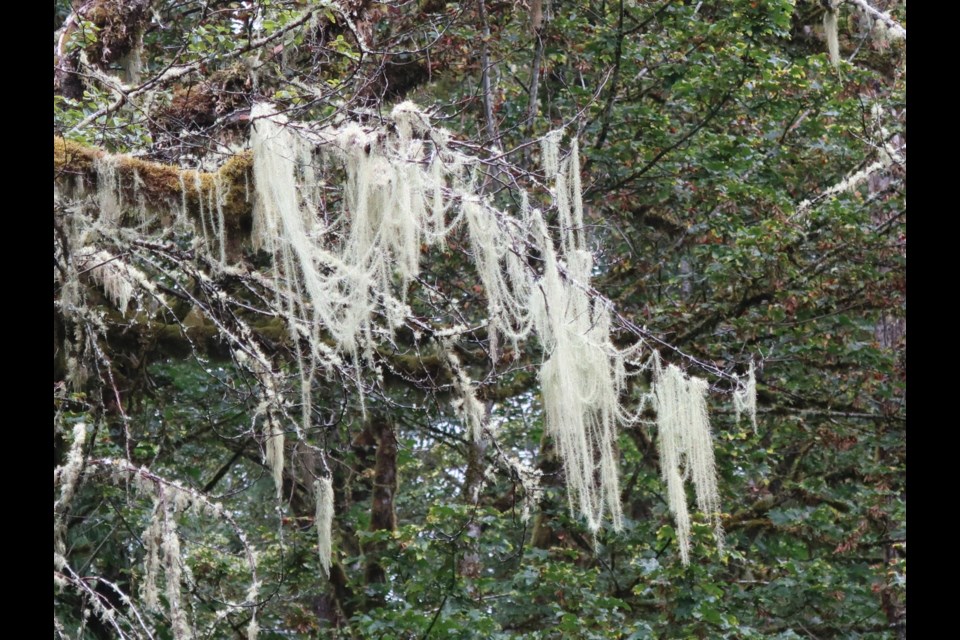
(197, 334)
(160, 182)
(165, 188)
(71, 157)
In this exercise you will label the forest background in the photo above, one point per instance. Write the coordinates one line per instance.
(744, 203)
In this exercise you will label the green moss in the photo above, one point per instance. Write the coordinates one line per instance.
(275, 330)
(72, 157)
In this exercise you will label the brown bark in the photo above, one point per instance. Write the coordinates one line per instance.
(470, 563)
(383, 515)
(544, 536)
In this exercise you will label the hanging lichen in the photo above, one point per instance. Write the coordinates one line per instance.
(686, 449)
(830, 29)
(357, 267)
(323, 488)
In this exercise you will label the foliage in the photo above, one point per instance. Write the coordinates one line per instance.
(745, 210)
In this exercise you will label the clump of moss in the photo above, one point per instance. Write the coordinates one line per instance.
(120, 24)
(73, 157)
(210, 108)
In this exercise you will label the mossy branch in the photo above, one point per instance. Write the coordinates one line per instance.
(164, 188)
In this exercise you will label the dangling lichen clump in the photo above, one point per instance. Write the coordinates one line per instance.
(323, 488)
(686, 449)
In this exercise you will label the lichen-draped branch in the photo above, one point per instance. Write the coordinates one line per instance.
(340, 281)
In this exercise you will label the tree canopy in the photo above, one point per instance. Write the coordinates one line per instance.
(479, 320)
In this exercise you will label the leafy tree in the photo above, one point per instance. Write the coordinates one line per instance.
(402, 320)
